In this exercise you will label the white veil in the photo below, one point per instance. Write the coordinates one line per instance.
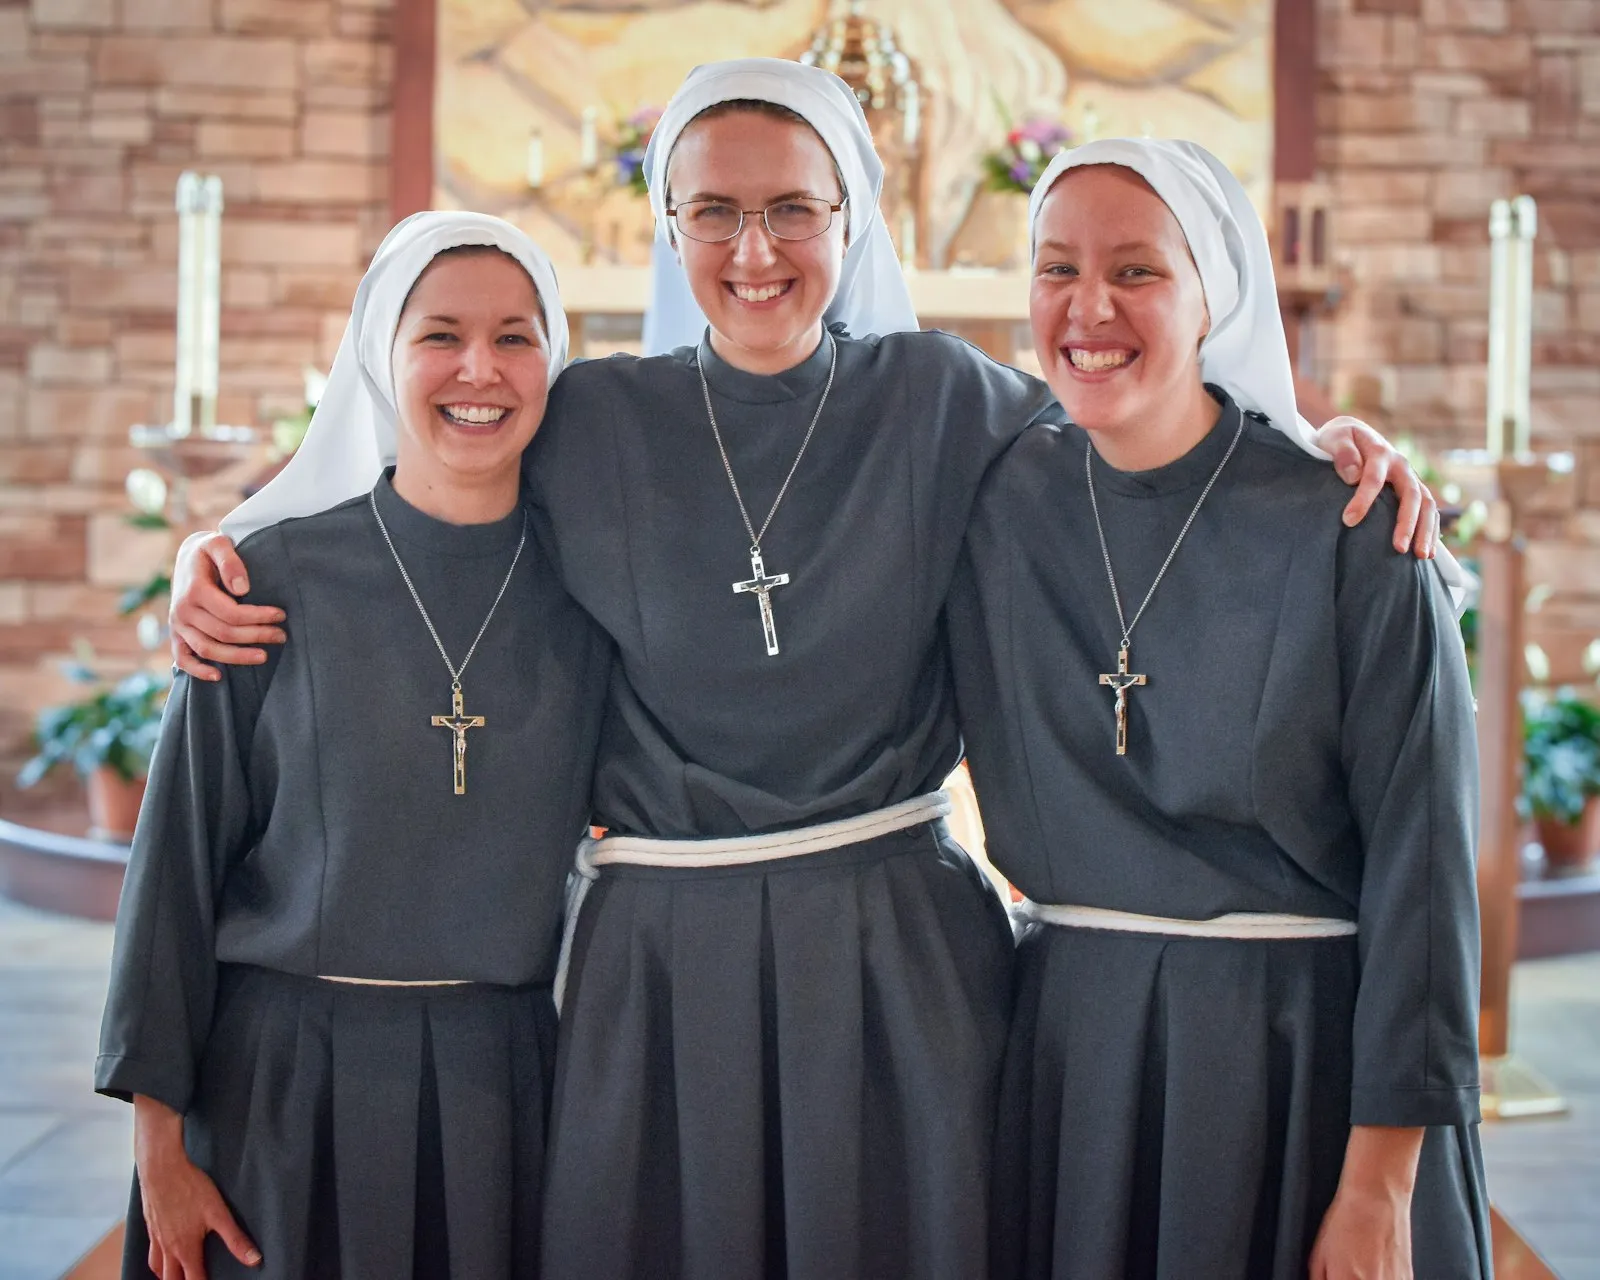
(352, 434)
(872, 296)
(1245, 350)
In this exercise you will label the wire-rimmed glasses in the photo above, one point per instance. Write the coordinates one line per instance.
(714, 221)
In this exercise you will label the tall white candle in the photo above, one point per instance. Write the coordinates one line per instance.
(536, 159)
(1499, 327)
(913, 113)
(1525, 221)
(187, 318)
(589, 140)
(210, 327)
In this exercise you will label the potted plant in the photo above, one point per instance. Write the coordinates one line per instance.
(108, 737)
(1561, 781)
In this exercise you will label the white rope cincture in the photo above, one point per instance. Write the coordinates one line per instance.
(731, 851)
(1261, 925)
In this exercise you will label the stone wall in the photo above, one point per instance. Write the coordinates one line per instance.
(1427, 111)
(102, 104)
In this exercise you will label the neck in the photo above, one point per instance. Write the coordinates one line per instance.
(771, 360)
(477, 500)
(1153, 444)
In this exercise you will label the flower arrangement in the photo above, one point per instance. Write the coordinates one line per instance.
(1029, 147)
(633, 136)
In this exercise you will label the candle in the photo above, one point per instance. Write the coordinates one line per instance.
(913, 110)
(1525, 222)
(589, 141)
(1498, 408)
(536, 160)
(208, 345)
(188, 270)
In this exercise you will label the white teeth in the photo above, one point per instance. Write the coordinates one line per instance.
(1094, 361)
(758, 293)
(476, 415)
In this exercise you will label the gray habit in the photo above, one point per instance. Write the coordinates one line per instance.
(787, 1069)
(1304, 744)
(301, 821)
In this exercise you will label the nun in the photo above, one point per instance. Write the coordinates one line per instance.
(1224, 745)
(786, 987)
(330, 997)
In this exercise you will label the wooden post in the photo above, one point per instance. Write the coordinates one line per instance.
(1500, 617)
(1511, 1088)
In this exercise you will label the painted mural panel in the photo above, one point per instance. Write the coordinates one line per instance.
(516, 79)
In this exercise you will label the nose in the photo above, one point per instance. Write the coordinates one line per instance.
(1091, 302)
(480, 363)
(753, 246)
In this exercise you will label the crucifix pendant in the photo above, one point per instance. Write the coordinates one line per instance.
(761, 586)
(1122, 680)
(458, 722)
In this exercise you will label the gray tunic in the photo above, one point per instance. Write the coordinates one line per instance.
(1305, 745)
(300, 821)
(706, 735)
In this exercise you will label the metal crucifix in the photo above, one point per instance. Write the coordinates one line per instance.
(1122, 680)
(458, 722)
(761, 586)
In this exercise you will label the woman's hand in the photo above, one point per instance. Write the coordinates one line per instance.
(208, 623)
(1366, 1233)
(1365, 459)
(181, 1205)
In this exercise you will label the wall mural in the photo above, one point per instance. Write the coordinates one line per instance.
(534, 97)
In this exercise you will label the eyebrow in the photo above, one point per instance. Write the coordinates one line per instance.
(453, 320)
(1129, 247)
(787, 195)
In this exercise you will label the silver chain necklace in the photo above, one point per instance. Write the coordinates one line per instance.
(458, 722)
(760, 584)
(1121, 680)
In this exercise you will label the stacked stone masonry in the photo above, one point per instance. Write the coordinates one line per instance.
(1427, 111)
(102, 104)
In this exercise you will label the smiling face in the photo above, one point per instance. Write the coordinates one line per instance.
(763, 297)
(1117, 308)
(471, 363)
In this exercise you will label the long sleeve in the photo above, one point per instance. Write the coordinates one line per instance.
(1410, 760)
(195, 823)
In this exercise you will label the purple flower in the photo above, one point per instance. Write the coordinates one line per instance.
(1022, 172)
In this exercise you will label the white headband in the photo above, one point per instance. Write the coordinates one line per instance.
(872, 295)
(352, 433)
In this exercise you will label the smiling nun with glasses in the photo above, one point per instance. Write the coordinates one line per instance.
(787, 991)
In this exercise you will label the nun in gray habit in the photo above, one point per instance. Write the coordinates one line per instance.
(335, 946)
(1225, 746)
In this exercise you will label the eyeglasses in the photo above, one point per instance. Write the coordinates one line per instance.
(714, 221)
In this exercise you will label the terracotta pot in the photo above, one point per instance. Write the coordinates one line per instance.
(1570, 847)
(113, 805)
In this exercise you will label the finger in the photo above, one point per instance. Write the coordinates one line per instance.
(1405, 525)
(214, 651)
(1346, 458)
(184, 659)
(1426, 541)
(1373, 475)
(239, 1245)
(220, 550)
(202, 601)
(191, 1256)
(154, 1258)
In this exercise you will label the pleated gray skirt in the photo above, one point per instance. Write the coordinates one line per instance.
(1179, 1108)
(783, 1070)
(371, 1133)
